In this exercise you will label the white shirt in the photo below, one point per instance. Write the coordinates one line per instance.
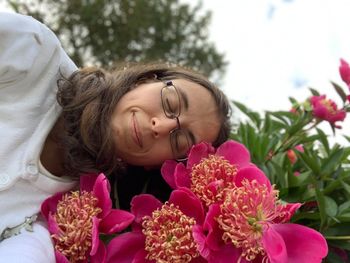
(31, 60)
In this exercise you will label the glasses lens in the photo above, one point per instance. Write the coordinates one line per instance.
(171, 102)
(180, 143)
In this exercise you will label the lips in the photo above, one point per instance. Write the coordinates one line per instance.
(136, 134)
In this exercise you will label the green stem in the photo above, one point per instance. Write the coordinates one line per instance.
(338, 237)
(286, 140)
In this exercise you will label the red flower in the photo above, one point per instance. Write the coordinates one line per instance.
(75, 220)
(250, 225)
(344, 70)
(208, 172)
(162, 232)
(326, 109)
(292, 155)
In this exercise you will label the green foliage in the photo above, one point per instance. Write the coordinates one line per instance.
(105, 32)
(318, 176)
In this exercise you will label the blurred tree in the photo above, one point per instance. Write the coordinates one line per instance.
(104, 32)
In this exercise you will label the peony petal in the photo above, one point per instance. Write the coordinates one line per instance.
(198, 260)
(214, 237)
(199, 151)
(52, 225)
(289, 210)
(168, 171)
(60, 258)
(301, 238)
(140, 257)
(274, 246)
(216, 186)
(50, 205)
(100, 255)
(235, 153)
(321, 112)
(344, 71)
(200, 239)
(95, 235)
(123, 248)
(340, 115)
(117, 220)
(142, 205)
(188, 203)
(252, 173)
(182, 176)
(227, 253)
(101, 190)
(87, 182)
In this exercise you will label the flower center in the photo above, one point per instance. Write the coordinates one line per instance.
(169, 235)
(211, 177)
(245, 213)
(329, 106)
(74, 219)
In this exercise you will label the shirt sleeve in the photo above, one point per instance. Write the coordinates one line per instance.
(21, 43)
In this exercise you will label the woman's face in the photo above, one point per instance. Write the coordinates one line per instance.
(141, 129)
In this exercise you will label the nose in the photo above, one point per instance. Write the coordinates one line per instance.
(163, 126)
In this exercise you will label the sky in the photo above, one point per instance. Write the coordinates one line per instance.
(278, 48)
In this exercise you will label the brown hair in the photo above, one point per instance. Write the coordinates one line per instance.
(88, 98)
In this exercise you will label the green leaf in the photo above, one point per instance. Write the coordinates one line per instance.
(251, 137)
(306, 215)
(334, 258)
(293, 100)
(306, 139)
(267, 123)
(347, 138)
(331, 206)
(340, 91)
(323, 139)
(321, 205)
(253, 116)
(345, 186)
(341, 244)
(314, 92)
(344, 207)
(297, 126)
(300, 180)
(332, 161)
(282, 175)
(344, 217)
(280, 116)
(309, 161)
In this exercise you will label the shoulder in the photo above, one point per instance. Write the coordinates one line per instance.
(26, 45)
(12, 23)
(19, 27)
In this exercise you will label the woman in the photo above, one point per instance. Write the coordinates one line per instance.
(57, 122)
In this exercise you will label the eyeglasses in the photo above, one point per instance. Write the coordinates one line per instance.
(180, 139)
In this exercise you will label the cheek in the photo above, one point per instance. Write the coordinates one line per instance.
(160, 152)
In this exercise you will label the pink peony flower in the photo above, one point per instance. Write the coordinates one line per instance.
(75, 220)
(250, 225)
(291, 153)
(326, 109)
(208, 172)
(161, 232)
(344, 70)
